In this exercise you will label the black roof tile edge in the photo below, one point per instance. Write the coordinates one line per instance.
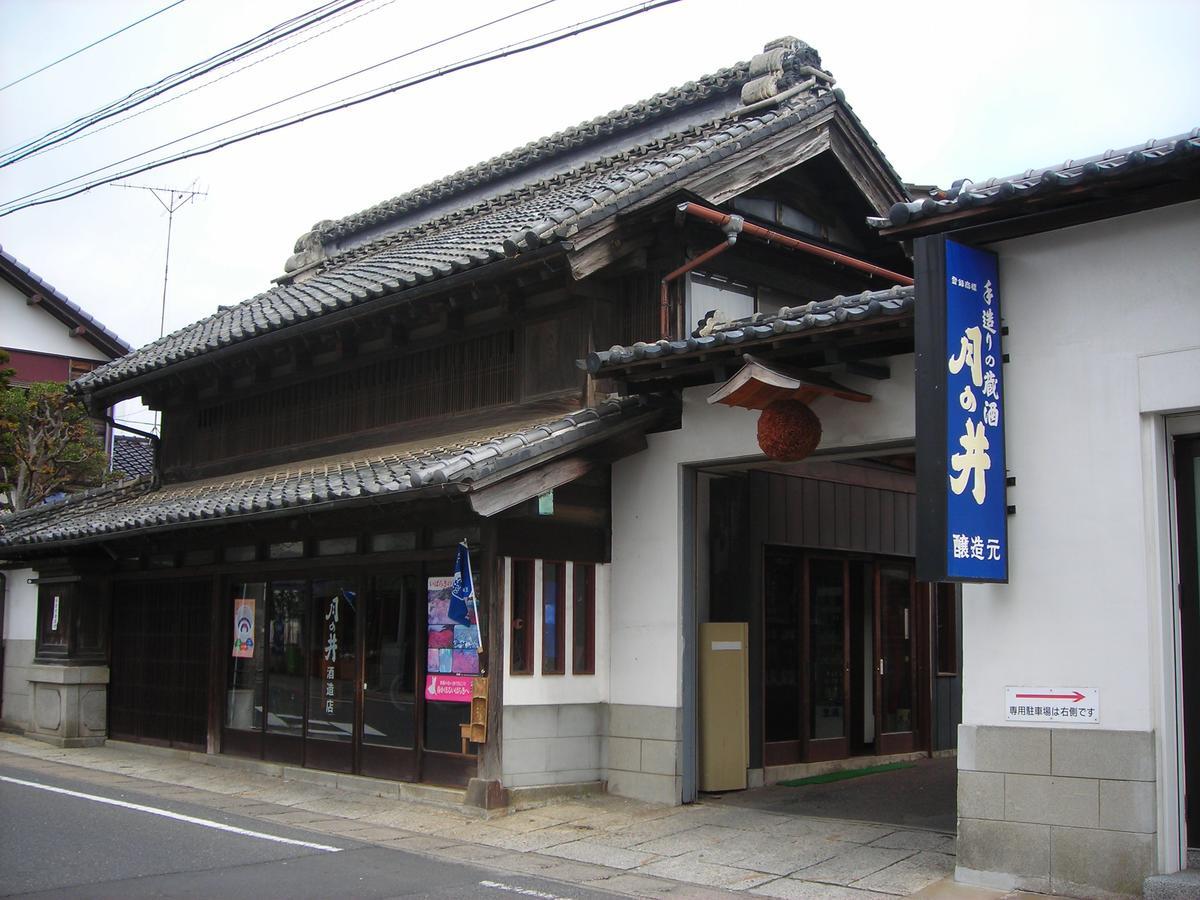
(790, 320)
(461, 466)
(547, 232)
(70, 309)
(599, 128)
(965, 194)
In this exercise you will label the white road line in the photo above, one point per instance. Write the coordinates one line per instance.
(167, 814)
(525, 892)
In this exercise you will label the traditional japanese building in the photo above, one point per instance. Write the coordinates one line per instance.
(557, 356)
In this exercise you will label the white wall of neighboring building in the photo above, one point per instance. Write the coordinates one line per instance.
(1087, 308)
(647, 579)
(29, 328)
(537, 689)
(19, 635)
(20, 605)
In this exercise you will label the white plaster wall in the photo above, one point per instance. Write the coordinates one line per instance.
(26, 327)
(538, 689)
(1091, 310)
(646, 598)
(20, 605)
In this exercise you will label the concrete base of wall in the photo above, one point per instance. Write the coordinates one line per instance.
(69, 705)
(14, 705)
(643, 752)
(635, 749)
(552, 744)
(1056, 810)
(533, 797)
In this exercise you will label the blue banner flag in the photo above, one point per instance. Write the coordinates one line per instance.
(462, 594)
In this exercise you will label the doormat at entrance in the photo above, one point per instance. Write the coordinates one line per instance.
(846, 773)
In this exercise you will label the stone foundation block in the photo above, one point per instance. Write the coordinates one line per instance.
(1089, 862)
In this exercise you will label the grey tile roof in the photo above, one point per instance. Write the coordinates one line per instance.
(132, 455)
(747, 331)
(105, 340)
(1072, 174)
(595, 130)
(396, 472)
(521, 220)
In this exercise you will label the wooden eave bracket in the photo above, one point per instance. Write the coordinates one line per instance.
(757, 384)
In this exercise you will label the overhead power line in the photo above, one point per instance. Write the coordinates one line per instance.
(94, 43)
(250, 65)
(142, 95)
(45, 195)
(279, 102)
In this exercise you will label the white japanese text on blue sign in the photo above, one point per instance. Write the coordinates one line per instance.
(975, 504)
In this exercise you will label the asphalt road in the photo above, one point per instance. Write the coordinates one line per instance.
(59, 844)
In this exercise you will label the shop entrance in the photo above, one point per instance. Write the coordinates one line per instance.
(840, 656)
(161, 652)
(332, 677)
(1187, 477)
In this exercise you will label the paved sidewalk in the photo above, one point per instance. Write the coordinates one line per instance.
(638, 849)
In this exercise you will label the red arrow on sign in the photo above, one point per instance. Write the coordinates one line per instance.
(1074, 697)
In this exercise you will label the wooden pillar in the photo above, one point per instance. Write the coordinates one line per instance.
(487, 790)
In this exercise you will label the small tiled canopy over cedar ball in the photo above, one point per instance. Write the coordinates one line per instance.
(788, 430)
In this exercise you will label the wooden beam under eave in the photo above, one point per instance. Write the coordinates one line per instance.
(757, 385)
(510, 492)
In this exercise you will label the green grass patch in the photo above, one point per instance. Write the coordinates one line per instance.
(846, 773)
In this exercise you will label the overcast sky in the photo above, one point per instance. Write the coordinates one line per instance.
(947, 90)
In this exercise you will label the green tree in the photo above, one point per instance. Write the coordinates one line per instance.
(47, 444)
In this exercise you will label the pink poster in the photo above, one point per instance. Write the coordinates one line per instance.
(448, 688)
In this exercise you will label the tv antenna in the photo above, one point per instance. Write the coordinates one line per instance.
(171, 199)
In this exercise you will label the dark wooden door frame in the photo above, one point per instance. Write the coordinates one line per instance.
(887, 743)
(1187, 451)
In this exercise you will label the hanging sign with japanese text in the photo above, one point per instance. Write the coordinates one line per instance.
(1074, 705)
(961, 477)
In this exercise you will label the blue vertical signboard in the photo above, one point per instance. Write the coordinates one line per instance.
(976, 507)
(962, 507)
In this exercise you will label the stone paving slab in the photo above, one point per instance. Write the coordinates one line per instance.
(846, 868)
(910, 875)
(601, 854)
(791, 889)
(691, 868)
(917, 840)
(697, 852)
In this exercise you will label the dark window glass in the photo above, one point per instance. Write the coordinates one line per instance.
(72, 621)
(896, 683)
(286, 658)
(337, 546)
(243, 705)
(947, 628)
(286, 550)
(335, 669)
(245, 553)
(521, 643)
(54, 603)
(554, 617)
(202, 557)
(583, 619)
(443, 726)
(389, 663)
(782, 633)
(827, 614)
(396, 540)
